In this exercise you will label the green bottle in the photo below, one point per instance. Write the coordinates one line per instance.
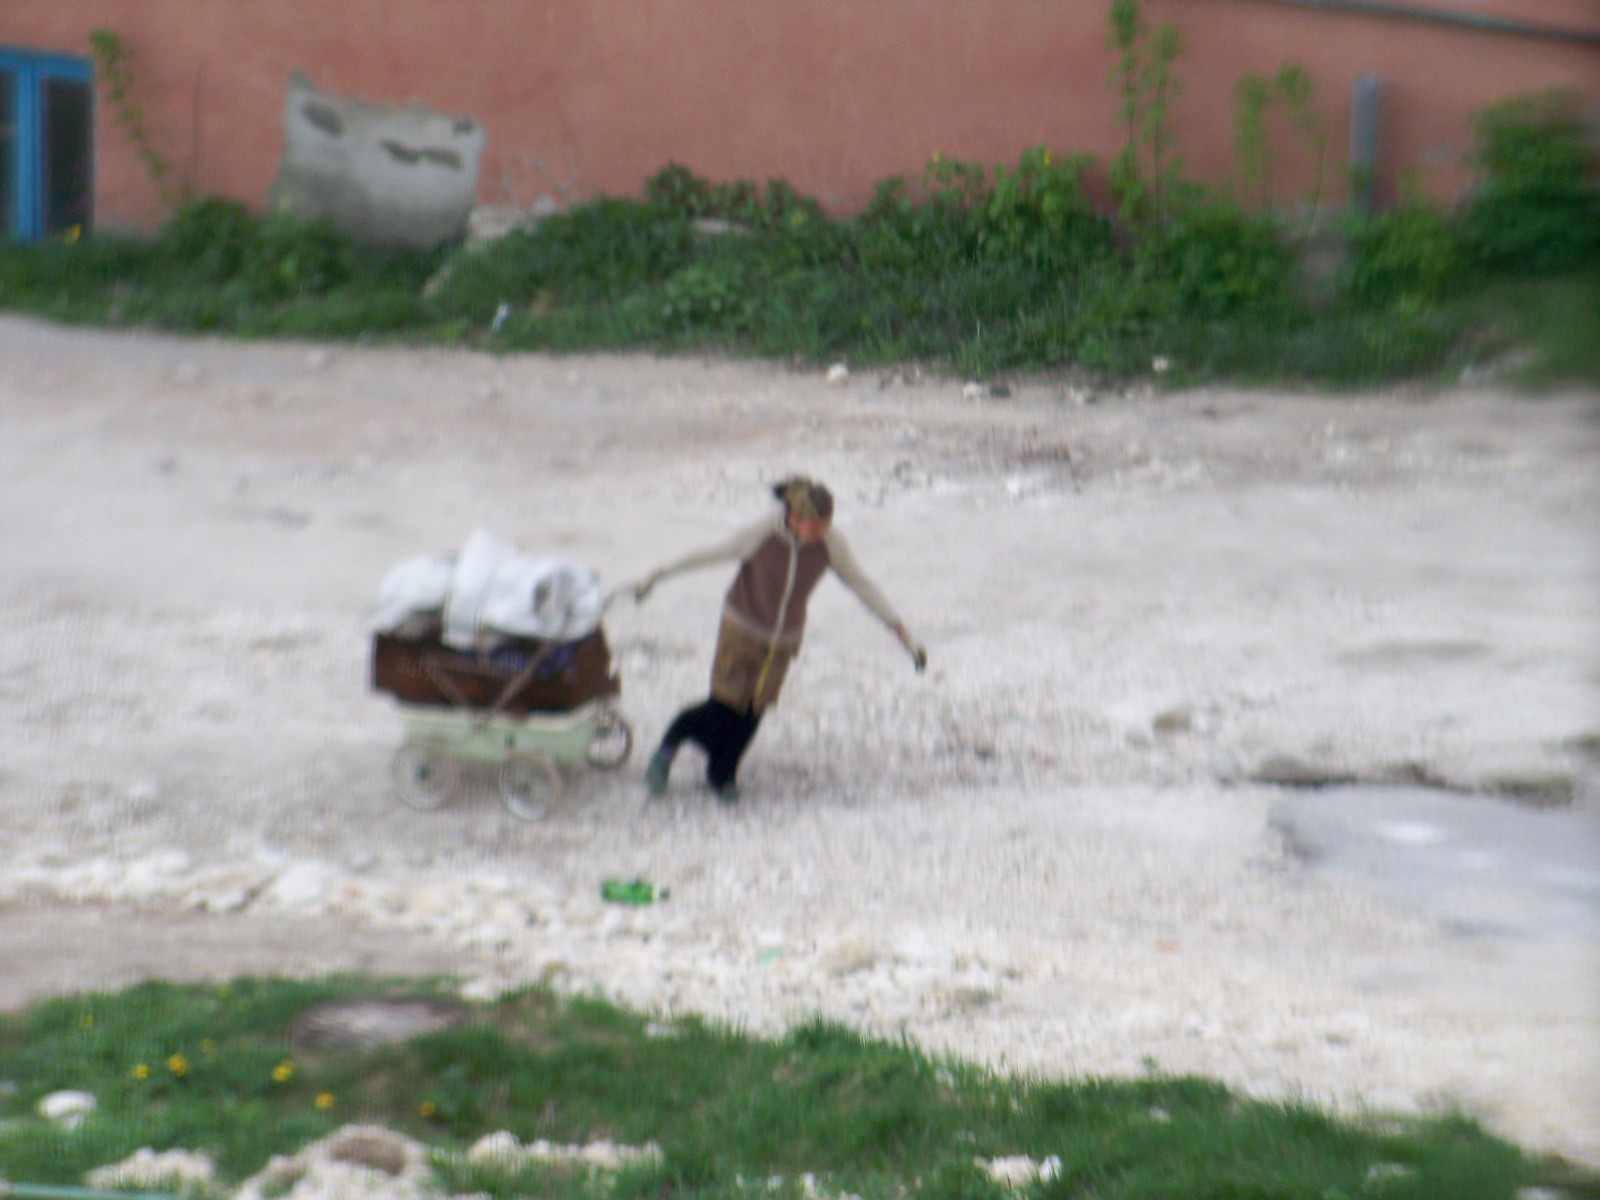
(630, 891)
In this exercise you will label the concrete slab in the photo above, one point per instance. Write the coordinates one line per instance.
(1480, 867)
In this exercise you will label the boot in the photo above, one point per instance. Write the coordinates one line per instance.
(656, 771)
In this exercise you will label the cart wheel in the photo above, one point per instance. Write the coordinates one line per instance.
(530, 786)
(425, 775)
(612, 741)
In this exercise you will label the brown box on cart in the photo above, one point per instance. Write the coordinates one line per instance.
(421, 669)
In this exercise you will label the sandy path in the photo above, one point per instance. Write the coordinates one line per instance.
(1047, 852)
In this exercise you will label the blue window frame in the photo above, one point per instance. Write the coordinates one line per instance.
(46, 144)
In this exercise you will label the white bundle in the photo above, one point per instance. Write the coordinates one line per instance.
(490, 589)
(418, 585)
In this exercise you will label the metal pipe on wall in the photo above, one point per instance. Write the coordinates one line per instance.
(1365, 97)
(1406, 12)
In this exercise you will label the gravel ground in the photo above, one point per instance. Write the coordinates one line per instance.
(1056, 851)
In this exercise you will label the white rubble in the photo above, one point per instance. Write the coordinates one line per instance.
(67, 1108)
(355, 1162)
(1019, 1171)
(148, 1170)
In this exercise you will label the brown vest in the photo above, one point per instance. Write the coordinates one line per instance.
(764, 594)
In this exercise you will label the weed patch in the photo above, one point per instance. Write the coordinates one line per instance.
(216, 1069)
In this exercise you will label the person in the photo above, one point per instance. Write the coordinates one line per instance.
(782, 558)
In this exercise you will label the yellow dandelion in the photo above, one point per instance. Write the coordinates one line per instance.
(938, 156)
(142, 1071)
(427, 1108)
(178, 1065)
(283, 1072)
(1047, 158)
(324, 1100)
(73, 234)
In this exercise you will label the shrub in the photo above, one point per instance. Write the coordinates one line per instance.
(809, 312)
(595, 253)
(900, 233)
(209, 239)
(677, 192)
(705, 295)
(1536, 210)
(1214, 261)
(1255, 96)
(1532, 137)
(1041, 215)
(287, 257)
(970, 268)
(1035, 217)
(1410, 253)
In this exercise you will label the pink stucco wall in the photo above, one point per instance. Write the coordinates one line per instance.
(586, 96)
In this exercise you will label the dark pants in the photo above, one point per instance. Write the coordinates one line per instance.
(723, 732)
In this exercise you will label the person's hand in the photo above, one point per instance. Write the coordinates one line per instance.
(919, 656)
(918, 652)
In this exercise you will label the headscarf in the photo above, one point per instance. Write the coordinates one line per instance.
(805, 498)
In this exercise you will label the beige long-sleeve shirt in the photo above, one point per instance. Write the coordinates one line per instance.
(777, 574)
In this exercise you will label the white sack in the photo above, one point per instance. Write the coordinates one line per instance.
(417, 585)
(496, 590)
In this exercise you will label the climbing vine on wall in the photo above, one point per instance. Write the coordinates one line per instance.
(1292, 92)
(114, 69)
(1146, 173)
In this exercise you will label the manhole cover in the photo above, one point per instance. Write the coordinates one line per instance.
(368, 1023)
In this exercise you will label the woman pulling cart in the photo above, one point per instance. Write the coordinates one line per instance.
(782, 558)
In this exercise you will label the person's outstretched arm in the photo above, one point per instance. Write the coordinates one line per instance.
(844, 564)
(736, 547)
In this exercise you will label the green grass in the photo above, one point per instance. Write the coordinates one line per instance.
(214, 1068)
(1556, 326)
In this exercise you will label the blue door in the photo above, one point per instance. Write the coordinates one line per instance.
(46, 144)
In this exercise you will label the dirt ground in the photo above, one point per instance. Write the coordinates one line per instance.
(1079, 844)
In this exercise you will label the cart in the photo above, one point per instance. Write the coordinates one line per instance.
(528, 710)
